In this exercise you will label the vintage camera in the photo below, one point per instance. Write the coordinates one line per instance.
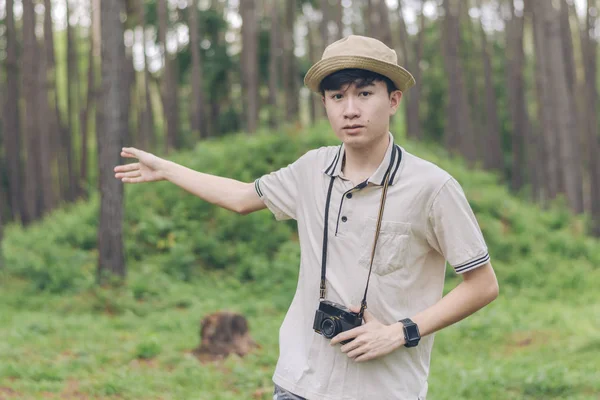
(332, 318)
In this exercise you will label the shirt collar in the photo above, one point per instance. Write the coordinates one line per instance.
(391, 161)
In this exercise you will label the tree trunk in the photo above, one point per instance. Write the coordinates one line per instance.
(111, 129)
(385, 28)
(560, 109)
(249, 63)
(411, 54)
(169, 88)
(87, 109)
(378, 23)
(523, 146)
(458, 122)
(372, 20)
(1, 234)
(275, 52)
(32, 195)
(313, 100)
(492, 150)
(338, 13)
(1, 229)
(405, 54)
(45, 121)
(148, 120)
(324, 24)
(547, 134)
(224, 333)
(289, 63)
(574, 128)
(129, 75)
(73, 110)
(54, 119)
(198, 120)
(590, 54)
(12, 125)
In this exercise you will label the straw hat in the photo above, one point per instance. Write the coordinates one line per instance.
(359, 52)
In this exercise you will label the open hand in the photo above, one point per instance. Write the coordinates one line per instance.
(371, 340)
(148, 169)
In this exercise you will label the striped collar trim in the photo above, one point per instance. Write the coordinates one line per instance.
(391, 162)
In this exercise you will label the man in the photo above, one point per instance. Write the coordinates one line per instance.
(426, 222)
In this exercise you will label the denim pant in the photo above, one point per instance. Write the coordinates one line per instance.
(282, 394)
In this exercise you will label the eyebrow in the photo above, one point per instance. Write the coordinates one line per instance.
(364, 85)
(358, 86)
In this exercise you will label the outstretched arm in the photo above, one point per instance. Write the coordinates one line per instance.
(228, 193)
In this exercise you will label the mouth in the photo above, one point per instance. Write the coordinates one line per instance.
(353, 126)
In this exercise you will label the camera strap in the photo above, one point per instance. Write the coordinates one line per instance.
(323, 286)
(363, 303)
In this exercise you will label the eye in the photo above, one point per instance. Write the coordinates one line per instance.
(365, 94)
(336, 96)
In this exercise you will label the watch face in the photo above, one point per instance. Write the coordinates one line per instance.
(412, 333)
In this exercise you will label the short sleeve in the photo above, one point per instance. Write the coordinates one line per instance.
(453, 229)
(279, 190)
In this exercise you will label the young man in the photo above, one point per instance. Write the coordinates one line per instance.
(426, 222)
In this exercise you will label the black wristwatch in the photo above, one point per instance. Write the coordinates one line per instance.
(411, 333)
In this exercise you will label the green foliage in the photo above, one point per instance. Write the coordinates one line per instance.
(149, 348)
(57, 254)
(188, 235)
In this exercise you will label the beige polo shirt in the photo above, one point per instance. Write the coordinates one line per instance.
(427, 220)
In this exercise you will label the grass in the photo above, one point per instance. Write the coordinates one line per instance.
(104, 344)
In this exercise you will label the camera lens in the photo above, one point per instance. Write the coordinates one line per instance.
(328, 328)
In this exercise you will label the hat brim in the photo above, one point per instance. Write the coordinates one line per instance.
(400, 76)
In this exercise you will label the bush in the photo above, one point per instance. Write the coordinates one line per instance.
(181, 235)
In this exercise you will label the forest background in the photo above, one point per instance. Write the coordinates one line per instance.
(103, 287)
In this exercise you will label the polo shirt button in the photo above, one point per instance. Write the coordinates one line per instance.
(349, 196)
(344, 219)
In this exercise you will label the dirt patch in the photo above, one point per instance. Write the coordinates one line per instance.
(7, 393)
(144, 363)
(528, 340)
(262, 393)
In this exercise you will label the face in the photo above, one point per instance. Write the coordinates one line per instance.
(360, 117)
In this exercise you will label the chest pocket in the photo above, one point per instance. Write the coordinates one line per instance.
(393, 246)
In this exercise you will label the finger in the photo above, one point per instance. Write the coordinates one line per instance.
(132, 174)
(131, 150)
(127, 167)
(128, 155)
(351, 334)
(354, 354)
(133, 180)
(350, 346)
(366, 356)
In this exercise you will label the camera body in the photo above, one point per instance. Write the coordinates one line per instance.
(332, 318)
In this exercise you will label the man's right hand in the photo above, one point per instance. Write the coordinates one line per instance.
(150, 168)
(228, 193)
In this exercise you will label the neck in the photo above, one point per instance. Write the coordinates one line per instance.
(361, 163)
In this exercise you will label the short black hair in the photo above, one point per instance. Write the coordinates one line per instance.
(360, 77)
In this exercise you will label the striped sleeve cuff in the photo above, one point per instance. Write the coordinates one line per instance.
(469, 265)
(257, 188)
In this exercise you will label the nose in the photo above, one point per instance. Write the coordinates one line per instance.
(351, 110)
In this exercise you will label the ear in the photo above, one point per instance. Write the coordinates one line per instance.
(395, 98)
